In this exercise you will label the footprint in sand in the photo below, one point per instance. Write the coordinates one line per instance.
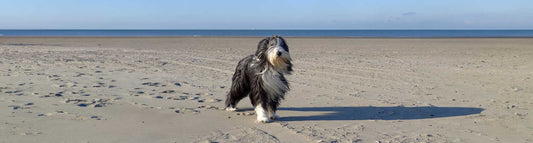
(194, 98)
(95, 103)
(168, 91)
(187, 111)
(136, 93)
(58, 94)
(79, 74)
(209, 107)
(13, 91)
(81, 92)
(239, 134)
(20, 107)
(210, 100)
(156, 84)
(99, 84)
(246, 113)
(180, 98)
(96, 117)
(47, 114)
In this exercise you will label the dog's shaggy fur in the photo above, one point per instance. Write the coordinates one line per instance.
(261, 77)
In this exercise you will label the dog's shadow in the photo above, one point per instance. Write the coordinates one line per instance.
(377, 113)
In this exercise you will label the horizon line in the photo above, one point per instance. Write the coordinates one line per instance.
(244, 29)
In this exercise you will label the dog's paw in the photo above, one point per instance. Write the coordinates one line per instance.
(231, 109)
(262, 119)
(274, 117)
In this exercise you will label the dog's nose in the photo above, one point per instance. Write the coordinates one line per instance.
(279, 53)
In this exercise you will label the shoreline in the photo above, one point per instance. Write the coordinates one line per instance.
(374, 33)
(298, 37)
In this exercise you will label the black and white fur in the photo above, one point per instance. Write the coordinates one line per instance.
(261, 76)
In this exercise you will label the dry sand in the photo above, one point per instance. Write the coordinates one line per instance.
(171, 89)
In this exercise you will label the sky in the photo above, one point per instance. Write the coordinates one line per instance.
(266, 14)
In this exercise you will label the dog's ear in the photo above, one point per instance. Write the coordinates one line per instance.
(264, 42)
(284, 44)
(262, 46)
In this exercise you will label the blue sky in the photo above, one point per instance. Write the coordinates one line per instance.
(266, 14)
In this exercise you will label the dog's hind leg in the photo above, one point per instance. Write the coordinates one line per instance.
(239, 89)
(233, 98)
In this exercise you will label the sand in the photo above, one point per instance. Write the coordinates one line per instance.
(172, 89)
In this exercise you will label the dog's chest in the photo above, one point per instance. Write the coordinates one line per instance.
(273, 83)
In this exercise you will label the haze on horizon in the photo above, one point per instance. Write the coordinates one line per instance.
(244, 14)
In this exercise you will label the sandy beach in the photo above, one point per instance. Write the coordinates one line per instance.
(172, 89)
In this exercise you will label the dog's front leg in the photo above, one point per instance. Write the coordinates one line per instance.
(262, 115)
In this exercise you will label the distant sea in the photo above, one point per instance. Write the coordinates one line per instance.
(287, 33)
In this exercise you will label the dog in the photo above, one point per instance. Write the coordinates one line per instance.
(261, 77)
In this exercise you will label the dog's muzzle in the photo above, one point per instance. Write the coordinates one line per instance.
(278, 57)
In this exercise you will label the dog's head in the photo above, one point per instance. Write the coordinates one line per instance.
(275, 51)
